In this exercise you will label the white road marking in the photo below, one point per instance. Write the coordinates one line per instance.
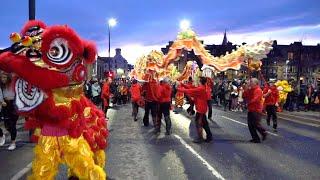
(299, 122)
(230, 119)
(210, 168)
(22, 172)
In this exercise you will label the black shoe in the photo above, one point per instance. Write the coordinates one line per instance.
(275, 130)
(135, 119)
(156, 131)
(255, 141)
(208, 140)
(264, 136)
(73, 178)
(198, 141)
(146, 124)
(168, 133)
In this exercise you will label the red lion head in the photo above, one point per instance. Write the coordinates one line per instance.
(45, 58)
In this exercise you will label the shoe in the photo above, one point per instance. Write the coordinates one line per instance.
(264, 136)
(198, 141)
(2, 140)
(255, 141)
(208, 140)
(157, 131)
(275, 130)
(12, 147)
(168, 133)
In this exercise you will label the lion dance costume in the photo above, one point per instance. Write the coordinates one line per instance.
(49, 65)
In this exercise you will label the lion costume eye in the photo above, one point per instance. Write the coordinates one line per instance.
(59, 52)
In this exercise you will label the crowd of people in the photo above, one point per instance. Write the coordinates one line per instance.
(158, 98)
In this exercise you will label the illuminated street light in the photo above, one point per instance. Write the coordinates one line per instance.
(185, 24)
(112, 22)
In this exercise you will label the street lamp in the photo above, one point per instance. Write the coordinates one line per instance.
(111, 23)
(185, 24)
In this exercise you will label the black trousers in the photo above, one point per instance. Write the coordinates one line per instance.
(164, 109)
(254, 124)
(209, 109)
(135, 109)
(272, 112)
(201, 122)
(153, 107)
(10, 118)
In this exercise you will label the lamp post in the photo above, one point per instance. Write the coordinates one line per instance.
(111, 23)
(32, 9)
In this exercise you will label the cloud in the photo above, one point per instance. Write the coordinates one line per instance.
(310, 35)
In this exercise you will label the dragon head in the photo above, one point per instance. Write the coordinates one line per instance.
(45, 58)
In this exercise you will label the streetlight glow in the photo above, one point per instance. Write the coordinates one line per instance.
(112, 22)
(185, 24)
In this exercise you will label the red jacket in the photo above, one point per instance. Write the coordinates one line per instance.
(105, 91)
(273, 97)
(254, 99)
(200, 97)
(135, 91)
(105, 94)
(151, 90)
(208, 90)
(164, 93)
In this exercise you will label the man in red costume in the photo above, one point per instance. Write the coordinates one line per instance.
(135, 92)
(165, 104)
(209, 98)
(199, 95)
(105, 95)
(189, 85)
(151, 102)
(271, 95)
(253, 96)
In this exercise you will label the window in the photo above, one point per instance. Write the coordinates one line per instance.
(290, 55)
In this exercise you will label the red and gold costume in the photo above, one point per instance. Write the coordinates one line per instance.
(49, 64)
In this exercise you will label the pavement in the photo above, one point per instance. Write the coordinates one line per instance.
(135, 152)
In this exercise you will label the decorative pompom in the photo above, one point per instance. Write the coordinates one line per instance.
(32, 23)
(90, 52)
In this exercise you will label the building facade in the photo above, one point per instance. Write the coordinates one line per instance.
(116, 65)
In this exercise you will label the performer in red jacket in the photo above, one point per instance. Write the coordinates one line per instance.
(151, 102)
(189, 85)
(135, 92)
(105, 94)
(209, 98)
(165, 104)
(200, 98)
(253, 96)
(271, 95)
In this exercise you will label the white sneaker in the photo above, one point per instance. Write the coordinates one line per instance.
(12, 147)
(2, 140)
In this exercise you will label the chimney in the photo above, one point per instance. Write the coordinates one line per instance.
(118, 51)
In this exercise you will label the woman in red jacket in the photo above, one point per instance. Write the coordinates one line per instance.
(271, 95)
(105, 95)
(200, 98)
(135, 92)
(165, 104)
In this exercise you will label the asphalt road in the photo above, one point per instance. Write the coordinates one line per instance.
(136, 153)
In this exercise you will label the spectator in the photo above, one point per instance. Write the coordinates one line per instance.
(9, 113)
(95, 92)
